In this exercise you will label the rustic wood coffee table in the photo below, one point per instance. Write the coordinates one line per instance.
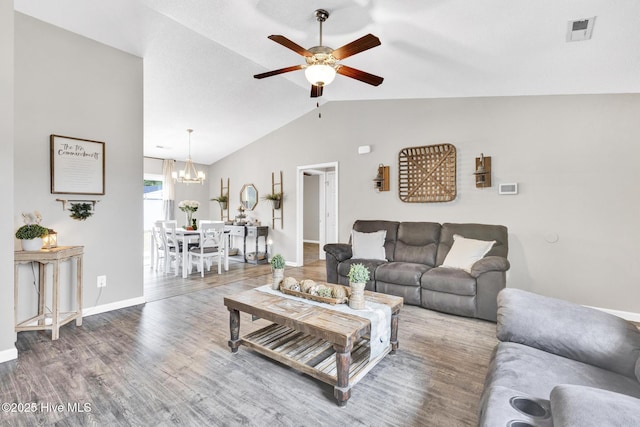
(328, 345)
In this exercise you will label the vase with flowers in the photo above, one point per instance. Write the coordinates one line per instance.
(189, 207)
(31, 233)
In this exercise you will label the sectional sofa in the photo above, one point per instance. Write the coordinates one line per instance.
(561, 364)
(453, 268)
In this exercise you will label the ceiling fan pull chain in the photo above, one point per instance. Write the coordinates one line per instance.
(319, 111)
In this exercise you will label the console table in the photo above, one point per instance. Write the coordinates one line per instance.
(53, 256)
(251, 231)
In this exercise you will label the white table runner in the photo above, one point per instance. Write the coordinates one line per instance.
(378, 314)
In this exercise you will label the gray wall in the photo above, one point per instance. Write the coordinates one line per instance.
(311, 208)
(7, 334)
(69, 85)
(575, 158)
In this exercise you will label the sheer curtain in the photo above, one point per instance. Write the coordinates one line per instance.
(168, 190)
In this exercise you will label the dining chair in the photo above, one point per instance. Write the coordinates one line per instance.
(211, 245)
(173, 245)
(159, 246)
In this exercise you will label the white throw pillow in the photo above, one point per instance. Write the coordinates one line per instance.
(465, 252)
(368, 245)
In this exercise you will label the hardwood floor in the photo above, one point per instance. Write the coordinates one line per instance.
(167, 362)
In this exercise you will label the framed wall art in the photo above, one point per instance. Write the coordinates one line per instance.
(77, 165)
(427, 173)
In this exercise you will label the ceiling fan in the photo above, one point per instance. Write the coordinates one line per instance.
(322, 62)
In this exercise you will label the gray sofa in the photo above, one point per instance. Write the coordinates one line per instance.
(561, 364)
(415, 252)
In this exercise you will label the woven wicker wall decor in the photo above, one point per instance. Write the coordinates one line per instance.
(427, 174)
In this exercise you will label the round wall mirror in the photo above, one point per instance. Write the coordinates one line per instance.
(249, 196)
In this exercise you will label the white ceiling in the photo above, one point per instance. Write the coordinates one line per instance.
(200, 56)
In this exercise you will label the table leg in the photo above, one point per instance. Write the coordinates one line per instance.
(55, 325)
(226, 253)
(79, 290)
(342, 390)
(185, 255)
(42, 270)
(234, 326)
(394, 332)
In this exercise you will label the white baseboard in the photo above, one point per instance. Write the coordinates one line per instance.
(317, 242)
(627, 315)
(90, 311)
(7, 355)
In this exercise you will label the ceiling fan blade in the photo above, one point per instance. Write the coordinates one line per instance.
(356, 46)
(316, 91)
(290, 45)
(276, 72)
(359, 75)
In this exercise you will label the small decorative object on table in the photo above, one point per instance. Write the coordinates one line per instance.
(309, 289)
(31, 233)
(277, 265)
(358, 278)
(189, 207)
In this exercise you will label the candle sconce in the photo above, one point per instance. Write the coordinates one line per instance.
(483, 171)
(381, 181)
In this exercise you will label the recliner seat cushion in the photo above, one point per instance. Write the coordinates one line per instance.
(449, 280)
(401, 273)
(417, 242)
(371, 264)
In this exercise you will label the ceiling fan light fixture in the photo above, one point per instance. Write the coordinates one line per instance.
(320, 74)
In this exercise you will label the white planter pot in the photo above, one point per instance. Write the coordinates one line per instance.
(31, 244)
(278, 277)
(356, 299)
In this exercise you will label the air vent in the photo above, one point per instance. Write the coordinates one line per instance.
(580, 29)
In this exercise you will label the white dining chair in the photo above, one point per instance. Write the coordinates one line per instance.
(211, 245)
(159, 246)
(173, 245)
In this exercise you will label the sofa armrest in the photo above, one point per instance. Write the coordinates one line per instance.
(575, 405)
(569, 330)
(489, 263)
(336, 253)
(340, 251)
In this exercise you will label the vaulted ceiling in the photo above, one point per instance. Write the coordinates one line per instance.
(200, 56)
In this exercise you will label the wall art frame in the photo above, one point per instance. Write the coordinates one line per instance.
(77, 165)
(427, 174)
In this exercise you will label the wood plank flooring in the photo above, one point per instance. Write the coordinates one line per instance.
(167, 363)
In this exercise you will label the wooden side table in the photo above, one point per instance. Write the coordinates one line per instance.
(43, 257)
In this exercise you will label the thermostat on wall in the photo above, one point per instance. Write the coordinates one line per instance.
(508, 188)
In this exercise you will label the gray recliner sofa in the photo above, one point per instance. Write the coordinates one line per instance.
(415, 252)
(561, 364)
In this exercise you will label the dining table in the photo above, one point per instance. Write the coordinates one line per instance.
(187, 236)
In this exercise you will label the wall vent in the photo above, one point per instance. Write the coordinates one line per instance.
(580, 29)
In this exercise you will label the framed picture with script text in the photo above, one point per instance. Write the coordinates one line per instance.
(77, 165)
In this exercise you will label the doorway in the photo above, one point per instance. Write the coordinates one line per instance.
(316, 207)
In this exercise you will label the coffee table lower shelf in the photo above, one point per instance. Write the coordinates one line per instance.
(309, 354)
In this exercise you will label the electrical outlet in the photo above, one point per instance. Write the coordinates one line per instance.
(102, 281)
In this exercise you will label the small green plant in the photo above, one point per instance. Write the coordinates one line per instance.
(80, 211)
(221, 199)
(274, 196)
(31, 231)
(277, 262)
(358, 273)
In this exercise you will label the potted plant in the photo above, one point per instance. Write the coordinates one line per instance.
(358, 278)
(80, 211)
(277, 265)
(31, 235)
(223, 199)
(275, 199)
(189, 207)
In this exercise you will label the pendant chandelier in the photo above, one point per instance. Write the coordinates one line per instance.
(189, 175)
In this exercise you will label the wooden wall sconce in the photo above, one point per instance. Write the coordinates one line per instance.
(483, 171)
(381, 181)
